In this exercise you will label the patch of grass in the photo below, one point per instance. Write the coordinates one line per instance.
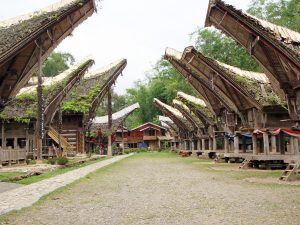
(7, 175)
(56, 172)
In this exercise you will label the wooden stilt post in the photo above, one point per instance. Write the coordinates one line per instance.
(123, 143)
(273, 144)
(236, 143)
(254, 144)
(210, 144)
(214, 144)
(3, 144)
(203, 144)
(198, 145)
(226, 145)
(266, 143)
(296, 146)
(40, 117)
(59, 130)
(109, 106)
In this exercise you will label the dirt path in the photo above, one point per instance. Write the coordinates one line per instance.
(155, 189)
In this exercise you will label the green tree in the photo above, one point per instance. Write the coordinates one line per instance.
(285, 13)
(56, 63)
(212, 43)
(163, 82)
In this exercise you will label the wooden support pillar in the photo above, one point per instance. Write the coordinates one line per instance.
(254, 144)
(226, 145)
(296, 146)
(292, 147)
(123, 143)
(281, 143)
(236, 144)
(109, 108)
(203, 144)
(210, 144)
(192, 145)
(198, 145)
(273, 144)
(266, 143)
(40, 108)
(214, 147)
(244, 144)
(3, 145)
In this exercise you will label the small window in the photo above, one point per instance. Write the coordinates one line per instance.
(21, 142)
(10, 142)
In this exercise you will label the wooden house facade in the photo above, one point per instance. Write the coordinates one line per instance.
(18, 133)
(79, 109)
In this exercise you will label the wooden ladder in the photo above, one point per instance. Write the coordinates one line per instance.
(55, 136)
(290, 170)
(245, 163)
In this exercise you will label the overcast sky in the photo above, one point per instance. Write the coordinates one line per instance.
(138, 30)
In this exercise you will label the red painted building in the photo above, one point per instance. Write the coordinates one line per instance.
(144, 136)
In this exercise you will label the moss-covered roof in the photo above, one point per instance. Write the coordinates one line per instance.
(282, 36)
(195, 104)
(174, 114)
(82, 96)
(23, 107)
(189, 115)
(15, 30)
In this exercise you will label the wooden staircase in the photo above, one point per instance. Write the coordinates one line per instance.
(55, 136)
(290, 170)
(245, 164)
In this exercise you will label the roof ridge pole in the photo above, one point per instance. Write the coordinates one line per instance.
(109, 108)
(40, 130)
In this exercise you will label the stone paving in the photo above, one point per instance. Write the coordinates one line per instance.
(27, 195)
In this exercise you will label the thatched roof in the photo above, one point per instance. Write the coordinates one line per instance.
(198, 107)
(92, 88)
(23, 107)
(282, 37)
(174, 114)
(245, 88)
(23, 36)
(188, 114)
(117, 118)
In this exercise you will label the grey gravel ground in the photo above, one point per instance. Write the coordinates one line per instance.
(160, 190)
(4, 186)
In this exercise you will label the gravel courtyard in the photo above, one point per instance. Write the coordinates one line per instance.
(159, 188)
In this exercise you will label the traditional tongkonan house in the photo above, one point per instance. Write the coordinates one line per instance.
(100, 128)
(199, 108)
(248, 94)
(18, 133)
(194, 120)
(79, 109)
(186, 132)
(173, 130)
(26, 41)
(275, 48)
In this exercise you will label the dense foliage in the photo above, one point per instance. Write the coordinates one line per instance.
(56, 63)
(281, 12)
(214, 44)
